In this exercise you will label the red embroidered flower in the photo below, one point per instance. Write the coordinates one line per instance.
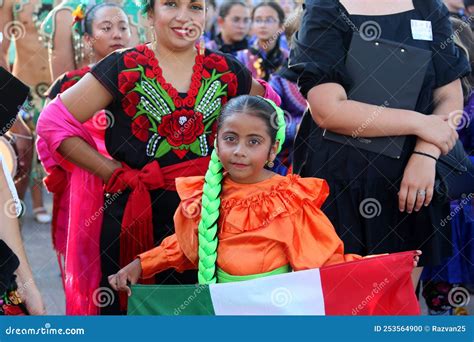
(189, 102)
(78, 73)
(141, 48)
(130, 102)
(149, 73)
(12, 310)
(214, 61)
(140, 127)
(68, 84)
(206, 74)
(133, 58)
(231, 80)
(127, 80)
(181, 127)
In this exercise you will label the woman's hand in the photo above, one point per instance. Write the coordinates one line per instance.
(417, 185)
(131, 273)
(435, 129)
(109, 169)
(31, 296)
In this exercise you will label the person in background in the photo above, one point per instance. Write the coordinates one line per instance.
(457, 9)
(210, 31)
(105, 28)
(265, 56)
(20, 22)
(292, 102)
(234, 25)
(65, 46)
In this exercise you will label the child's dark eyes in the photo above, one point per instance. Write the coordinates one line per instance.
(197, 7)
(170, 3)
(229, 138)
(254, 142)
(106, 28)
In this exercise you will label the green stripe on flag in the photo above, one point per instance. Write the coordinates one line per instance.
(170, 300)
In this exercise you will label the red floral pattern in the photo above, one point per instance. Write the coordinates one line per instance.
(182, 127)
(72, 77)
(140, 128)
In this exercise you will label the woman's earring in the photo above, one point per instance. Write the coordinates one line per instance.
(270, 164)
(153, 37)
(202, 45)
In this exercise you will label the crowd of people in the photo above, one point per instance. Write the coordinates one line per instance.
(190, 141)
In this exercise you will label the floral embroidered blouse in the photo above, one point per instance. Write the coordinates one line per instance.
(151, 120)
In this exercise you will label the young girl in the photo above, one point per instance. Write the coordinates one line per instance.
(265, 56)
(266, 224)
(104, 28)
(234, 23)
(164, 99)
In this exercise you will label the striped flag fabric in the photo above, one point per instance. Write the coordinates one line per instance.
(373, 286)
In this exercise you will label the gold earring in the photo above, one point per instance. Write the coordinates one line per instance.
(202, 45)
(270, 164)
(153, 37)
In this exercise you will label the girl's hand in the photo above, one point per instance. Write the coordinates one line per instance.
(417, 184)
(110, 167)
(416, 258)
(31, 296)
(435, 129)
(131, 273)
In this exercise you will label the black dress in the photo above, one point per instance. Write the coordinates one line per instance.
(149, 120)
(363, 204)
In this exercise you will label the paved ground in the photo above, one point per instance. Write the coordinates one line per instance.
(37, 240)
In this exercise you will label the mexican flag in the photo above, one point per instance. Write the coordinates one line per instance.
(374, 286)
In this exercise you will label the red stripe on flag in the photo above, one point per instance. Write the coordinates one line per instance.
(373, 286)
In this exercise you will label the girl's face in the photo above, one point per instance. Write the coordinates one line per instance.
(265, 23)
(288, 6)
(236, 25)
(110, 31)
(178, 24)
(244, 146)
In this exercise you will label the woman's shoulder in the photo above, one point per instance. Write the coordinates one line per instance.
(250, 207)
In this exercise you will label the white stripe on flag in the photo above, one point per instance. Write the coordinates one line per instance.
(295, 293)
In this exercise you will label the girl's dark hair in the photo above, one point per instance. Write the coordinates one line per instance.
(250, 105)
(275, 6)
(225, 8)
(89, 17)
(463, 38)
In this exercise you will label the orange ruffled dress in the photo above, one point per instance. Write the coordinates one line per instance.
(262, 227)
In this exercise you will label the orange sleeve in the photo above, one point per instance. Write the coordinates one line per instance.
(167, 255)
(312, 242)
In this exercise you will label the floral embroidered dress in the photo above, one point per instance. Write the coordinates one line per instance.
(151, 121)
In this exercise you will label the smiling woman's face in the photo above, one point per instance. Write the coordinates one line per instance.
(178, 24)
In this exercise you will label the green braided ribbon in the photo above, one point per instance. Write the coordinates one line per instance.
(280, 116)
(207, 229)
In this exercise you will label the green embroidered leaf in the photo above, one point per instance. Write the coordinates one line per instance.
(163, 149)
(195, 147)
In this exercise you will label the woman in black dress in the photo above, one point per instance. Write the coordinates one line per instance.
(378, 204)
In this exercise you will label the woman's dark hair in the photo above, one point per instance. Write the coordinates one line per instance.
(250, 105)
(89, 17)
(463, 38)
(275, 6)
(225, 8)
